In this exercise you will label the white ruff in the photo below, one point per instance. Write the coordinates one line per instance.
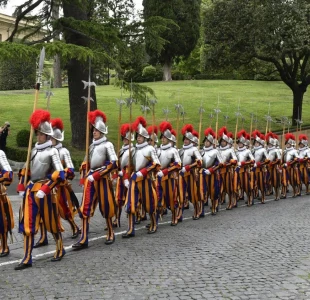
(188, 146)
(58, 146)
(97, 142)
(138, 146)
(164, 147)
(43, 146)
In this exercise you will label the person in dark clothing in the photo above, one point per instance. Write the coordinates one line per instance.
(4, 132)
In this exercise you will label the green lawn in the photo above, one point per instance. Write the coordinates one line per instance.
(254, 97)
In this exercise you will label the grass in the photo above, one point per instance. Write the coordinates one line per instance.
(254, 97)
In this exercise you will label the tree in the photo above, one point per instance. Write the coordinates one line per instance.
(274, 31)
(182, 38)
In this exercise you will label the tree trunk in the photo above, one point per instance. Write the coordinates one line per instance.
(298, 94)
(78, 71)
(57, 83)
(167, 71)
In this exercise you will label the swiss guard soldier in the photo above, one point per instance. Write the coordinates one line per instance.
(153, 138)
(229, 160)
(6, 212)
(102, 161)
(274, 178)
(261, 159)
(188, 178)
(142, 187)
(124, 173)
(68, 203)
(38, 201)
(304, 155)
(290, 172)
(167, 177)
(242, 176)
(210, 182)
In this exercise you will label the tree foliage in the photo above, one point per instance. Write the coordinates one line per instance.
(274, 31)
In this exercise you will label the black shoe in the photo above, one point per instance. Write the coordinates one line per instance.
(110, 242)
(195, 218)
(79, 246)
(75, 235)
(4, 254)
(22, 266)
(58, 258)
(186, 207)
(165, 211)
(282, 197)
(173, 224)
(213, 213)
(201, 216)
(137, 222)
(127, 235)
(148, 226)
(38, 244)
(152, 231)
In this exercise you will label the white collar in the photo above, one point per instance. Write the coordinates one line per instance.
(58, 146)
(164, 147)
(271, 148)
(188, 146)
(97, 142)
(208, 148)
(224, 148)
(258, 147)
(242, 148)
(43, 146)
(139, 146)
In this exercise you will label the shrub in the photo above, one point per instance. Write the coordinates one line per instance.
(15, 154)
(22, 138)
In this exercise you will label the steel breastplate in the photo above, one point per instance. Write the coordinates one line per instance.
(167, 156)
(305, 152)
(143, 156)
(228, 154)
(290, 155)
(260, 155)
(65, 158)
(4, 164)
(123, 158)
(244, 155)
(100, 153)
(209, 158)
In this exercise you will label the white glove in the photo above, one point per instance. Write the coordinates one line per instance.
(139, 174)
(183, 170)
(21, 194)
(255, 165)
(207, 172)
(90, 178)
(285, 165)
(120, 173)
(126, 183)
(160, 173)
(114, 181)
(40, 194)
(239, 164)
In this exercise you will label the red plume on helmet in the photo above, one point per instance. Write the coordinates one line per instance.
(262, 137)
(173, 132)
(210, 131)
(152, 129)
(187, 128)
(275, 136)
(57, 123)
(195, 133)
(222, 131)
(289, 136)
(248, 136)
(256, 133)
(124, 129)
(269, 136)
(302, 137)
(163, 126)
(92, 115)
(39, 116)
(241, 133)
(230, 135)
(135, 124)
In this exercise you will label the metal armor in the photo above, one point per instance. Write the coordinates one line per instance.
(304, 152)
(4, 164)
(209, 157)
(289, 155)
(124, 155)
(167, 154)
(227, 154)
(65, 157)
(44, 161)
(260, 154)
(244, 155)
(189, 154)
(144, 155)
(100, 153)
(274, 154)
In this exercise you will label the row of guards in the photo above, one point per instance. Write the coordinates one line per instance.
(143, 178)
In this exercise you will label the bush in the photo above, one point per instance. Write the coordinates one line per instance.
(22, 138)
(15, 154)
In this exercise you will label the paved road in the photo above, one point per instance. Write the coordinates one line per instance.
(262, 252)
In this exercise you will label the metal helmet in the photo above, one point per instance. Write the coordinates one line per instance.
(260, 139)
(152, 131)
(209, 136)
(165, 129)
(125, 132)
(290, 139)
(58, 126)
(173, 136)
(270, 139)
(40, 121)
(98, 119)
(222, 134)
(187, 132)
(241, 137)
(303, 139)
(139, 127)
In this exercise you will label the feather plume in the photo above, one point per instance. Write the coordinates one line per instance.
(222, 131)
(262, 136)
(269, 136)
(187, 128)
(256, 133)
(230, 135)
(210, 131)
(141, 120)
(302, 137)
(163, 126)
(289, 136)
(38, 116)
(152, 129)
(195, 133)
(275, 136)
(57, 123)
(124, 129)
(92, 115)
(241, 133)
(173, 132)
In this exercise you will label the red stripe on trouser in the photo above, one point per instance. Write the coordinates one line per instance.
(28, 246)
